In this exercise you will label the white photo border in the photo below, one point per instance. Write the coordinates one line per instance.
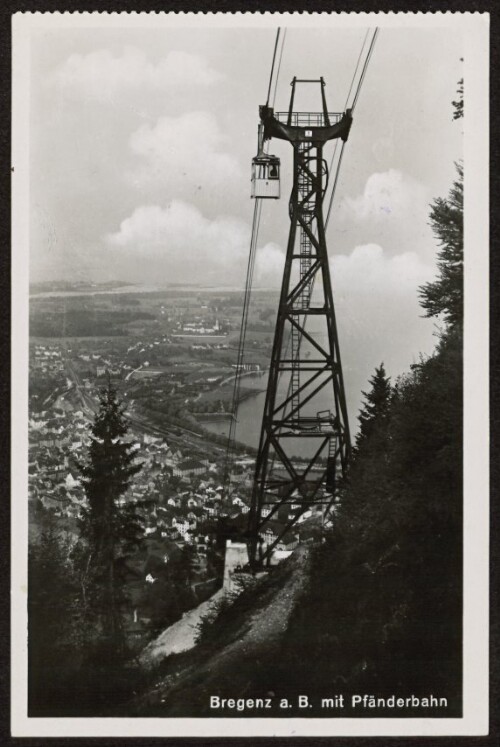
(475, 30)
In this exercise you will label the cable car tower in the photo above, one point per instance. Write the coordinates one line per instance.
(304, 444)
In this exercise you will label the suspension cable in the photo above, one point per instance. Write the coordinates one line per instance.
(356, 96)
(242, 339)
(279, 66)
(356, 68)
(330, 168)
(363, 73)
(248, 285)
(272, 66)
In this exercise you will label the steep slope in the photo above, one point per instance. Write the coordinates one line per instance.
(179, 637)
(233, 661)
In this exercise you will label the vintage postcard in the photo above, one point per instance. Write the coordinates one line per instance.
(250, 420)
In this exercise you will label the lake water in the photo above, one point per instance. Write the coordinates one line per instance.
(249, 416)
(250, 411)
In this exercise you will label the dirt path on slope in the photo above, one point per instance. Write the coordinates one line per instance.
(240, 667)
(181, 636)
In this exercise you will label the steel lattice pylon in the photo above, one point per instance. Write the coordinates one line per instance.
(305, 370)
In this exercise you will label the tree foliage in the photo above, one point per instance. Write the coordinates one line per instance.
(55, 632)
(375, 409)
(111, 527)
(106, 476)
(444, 296)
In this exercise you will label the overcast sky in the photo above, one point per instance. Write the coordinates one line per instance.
(141, 144)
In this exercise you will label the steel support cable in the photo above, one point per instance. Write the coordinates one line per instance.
(244, 316)
(356, 96)
(272, 66)
(334, 185)
(348, 95)
(243, 330)
(356, 68)
(363, 73)
(360, 56)
(279, 66)
(249, 280)
(267, 144)
(248, 290)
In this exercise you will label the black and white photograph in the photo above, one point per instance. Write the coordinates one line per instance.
(250, 323)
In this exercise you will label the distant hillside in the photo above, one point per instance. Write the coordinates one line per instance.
(49, 286)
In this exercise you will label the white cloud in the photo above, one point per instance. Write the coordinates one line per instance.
(178, 243)
(181, 243)
(269, 264)
(392, 211)
(184, 152)
(376, 298)
(101, 75)
(368, 270)
(387, 196)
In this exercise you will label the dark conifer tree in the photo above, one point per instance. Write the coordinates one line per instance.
(53, 629)
(445, 294)
(376, 405)
(110, 526)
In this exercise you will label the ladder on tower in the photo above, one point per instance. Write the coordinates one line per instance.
(303, 300)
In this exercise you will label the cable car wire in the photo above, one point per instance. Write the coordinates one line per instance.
(368, 58)
(330, 168)
(248, 284)
(242, 339)
(272, 66)
(355, 100)
(357, 67)
(279, 66)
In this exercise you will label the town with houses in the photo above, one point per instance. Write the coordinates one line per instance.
(183, 493)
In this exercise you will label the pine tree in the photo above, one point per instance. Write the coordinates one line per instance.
(109, 527)
(445, 294)
(376, 406)
(53, 631)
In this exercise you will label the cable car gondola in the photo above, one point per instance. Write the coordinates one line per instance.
(266, 176)
(265, 172)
